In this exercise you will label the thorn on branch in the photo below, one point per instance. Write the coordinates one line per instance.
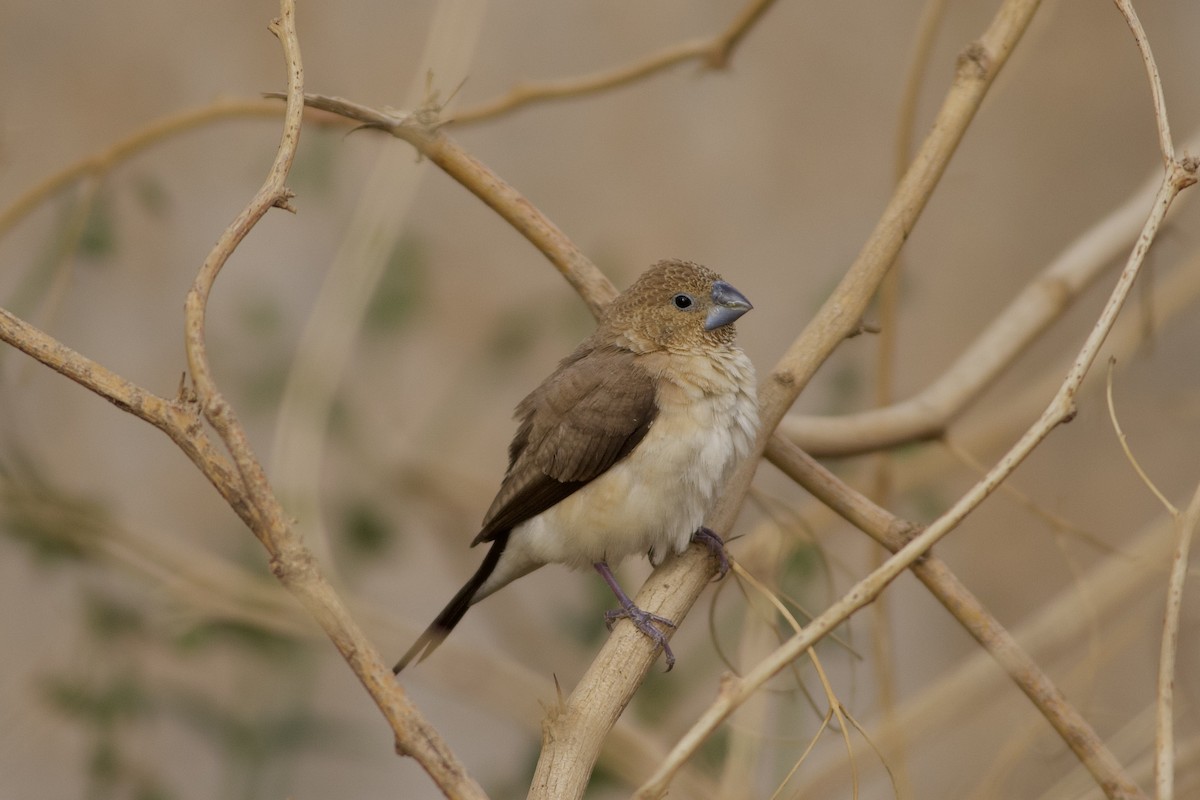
(1185, 171)
(864, 327)
(367, 126)
(284, 200)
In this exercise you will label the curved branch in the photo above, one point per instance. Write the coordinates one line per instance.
(291, 561)
(1165, 145)
(714, 52)
(1184, 174)
(421, 130)
(104, 160)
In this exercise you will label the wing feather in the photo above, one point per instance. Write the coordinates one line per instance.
(588, 415)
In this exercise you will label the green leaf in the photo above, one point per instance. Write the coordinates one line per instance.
(98, 239)
(244, 636)
(110, 619)
(518, 330)
(316, 160)
(102, 705)
(152, 196)
(366, 531)
(400, 291)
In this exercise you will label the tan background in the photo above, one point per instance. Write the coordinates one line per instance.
(772, 172)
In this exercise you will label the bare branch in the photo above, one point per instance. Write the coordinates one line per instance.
(1061, 409)
(1164, 739)
(1165, 145)
(177, 418)
(421, 130)
(103, 161)
(1164, 748)
(714, 52)
(1181, 174)
(893, 533)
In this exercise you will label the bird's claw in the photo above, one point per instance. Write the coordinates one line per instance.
(716, 548)
(644, 622)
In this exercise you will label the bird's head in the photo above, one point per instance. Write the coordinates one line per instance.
(676, 305)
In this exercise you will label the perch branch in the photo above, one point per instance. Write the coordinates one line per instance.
(623, 661)
(1061, 409)
(1179, 175)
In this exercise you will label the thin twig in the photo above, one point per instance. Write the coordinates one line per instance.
(421, 129)
(1184, 525)
(1164, 739)
(1164, 745)
(714, 52)
(101, 162)
(1165, 144)
(177, 418)
(1124, 440)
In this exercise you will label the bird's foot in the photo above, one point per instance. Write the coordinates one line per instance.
(644, 621)
(716, 548)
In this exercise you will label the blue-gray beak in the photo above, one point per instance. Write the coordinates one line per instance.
(728, 305)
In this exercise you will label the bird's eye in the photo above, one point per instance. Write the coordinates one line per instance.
(682, 301)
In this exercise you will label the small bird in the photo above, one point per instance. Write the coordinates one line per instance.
(623, 448)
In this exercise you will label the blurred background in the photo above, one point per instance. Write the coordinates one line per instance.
(375, 344)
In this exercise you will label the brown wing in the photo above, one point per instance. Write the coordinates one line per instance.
(584, 418)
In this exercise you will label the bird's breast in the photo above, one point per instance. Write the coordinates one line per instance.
(658, 495)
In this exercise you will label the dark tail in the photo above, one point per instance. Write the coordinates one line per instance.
(441, 626)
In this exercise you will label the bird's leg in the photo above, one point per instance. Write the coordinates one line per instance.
(641, 619)
(716, 547)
